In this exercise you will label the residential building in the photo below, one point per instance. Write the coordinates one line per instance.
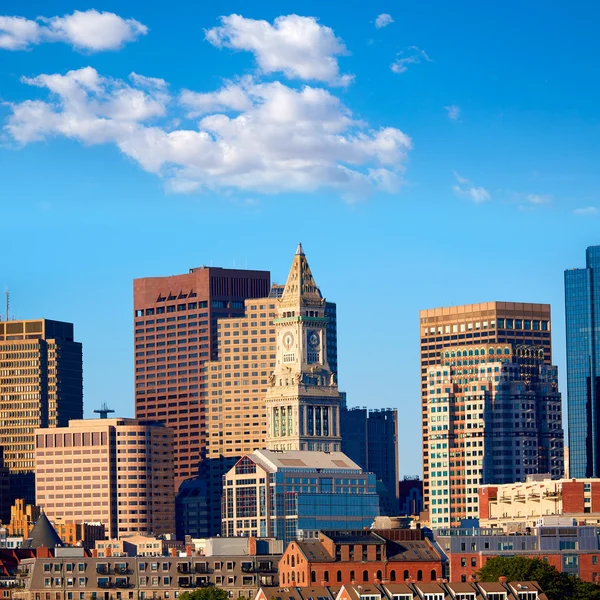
(414, 590)
(303, 402)
(175, 322)
(288, 494)
(134, 545)
(518, 506)
(41, 385)
(572, 550)
(370, 439)
(364, 556)
(582, 308)
(494, 417)
(115, 471)
(411, 496)
(22, 518)
(469, 325)
(143, 578)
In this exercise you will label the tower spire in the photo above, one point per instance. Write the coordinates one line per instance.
(300, 288)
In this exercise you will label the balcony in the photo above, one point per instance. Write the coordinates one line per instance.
(202, 568)
(123, 570)
(267, 568)
(123, 583)
(103, 569)
(185, 582)
(104, 583)
(183, 568)
(248, 569)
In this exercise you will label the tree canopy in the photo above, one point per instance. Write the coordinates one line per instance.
(556, 585)
(207, 593)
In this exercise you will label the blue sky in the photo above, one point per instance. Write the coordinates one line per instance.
(448, 157)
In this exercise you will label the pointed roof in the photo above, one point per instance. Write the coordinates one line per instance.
(43, 535)
(300, 288)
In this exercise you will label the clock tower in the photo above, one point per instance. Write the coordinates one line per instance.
(303, 402)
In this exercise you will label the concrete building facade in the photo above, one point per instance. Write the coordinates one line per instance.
(291, 494)
(303, 401)
(115, 471)
(41, 385)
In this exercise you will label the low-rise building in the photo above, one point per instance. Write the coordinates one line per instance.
(516, 506)
(80, 534)
(349, 557)
(291, 494)
(572, 550)
(68, 577)
(136, 545)
(522, 590)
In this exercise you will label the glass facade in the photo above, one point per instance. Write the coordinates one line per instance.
(582, 305)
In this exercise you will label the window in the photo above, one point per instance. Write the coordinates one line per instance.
(365, 575)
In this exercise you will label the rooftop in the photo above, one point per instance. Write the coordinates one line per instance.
(273, 460)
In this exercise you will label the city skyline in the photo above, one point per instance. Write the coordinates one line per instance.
(498, 146)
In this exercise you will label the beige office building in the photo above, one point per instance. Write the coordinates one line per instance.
(509, 323)
(115, 471)
(41, 385)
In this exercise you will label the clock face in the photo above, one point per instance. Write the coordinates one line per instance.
(313, 339)
(288, 339)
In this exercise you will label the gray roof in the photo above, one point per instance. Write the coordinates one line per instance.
(43, 535)
(272, 460)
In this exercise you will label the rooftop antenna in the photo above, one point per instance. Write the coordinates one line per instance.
(7, 303)
(103, 411)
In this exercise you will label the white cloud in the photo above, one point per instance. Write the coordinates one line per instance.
(453, 111)
(88, 30)
(252, 136)
(383, 20)
(413, 56)
(465, 189)
(297, 46)
(588, 211)
(538, 199)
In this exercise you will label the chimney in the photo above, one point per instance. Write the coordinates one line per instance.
(108, 551)
(173, 552)
(502, 579)
(252, 546)
(189, 551)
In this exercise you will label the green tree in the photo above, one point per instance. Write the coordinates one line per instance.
(556, 585)
(207, 593)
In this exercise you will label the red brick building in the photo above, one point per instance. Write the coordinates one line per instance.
(175, 323)
(360, 557)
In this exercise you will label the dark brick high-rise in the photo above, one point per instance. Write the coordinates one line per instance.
(175, 323)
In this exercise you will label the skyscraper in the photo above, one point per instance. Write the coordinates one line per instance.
(234, 395)
(582, 305)
(302, 400)
(494, 417)
(175, 322)
(116, 471)
(513, 323)
(370, 439)
(41, 385)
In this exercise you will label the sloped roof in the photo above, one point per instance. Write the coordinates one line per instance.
(43, 535)
(272, 460)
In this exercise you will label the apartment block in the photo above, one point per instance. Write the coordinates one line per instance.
(41, 385)
(175, 322)
(115, 471)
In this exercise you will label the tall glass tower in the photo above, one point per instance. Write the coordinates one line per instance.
(582, 304)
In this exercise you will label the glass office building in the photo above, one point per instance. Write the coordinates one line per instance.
(292, 494)
(582, 305)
